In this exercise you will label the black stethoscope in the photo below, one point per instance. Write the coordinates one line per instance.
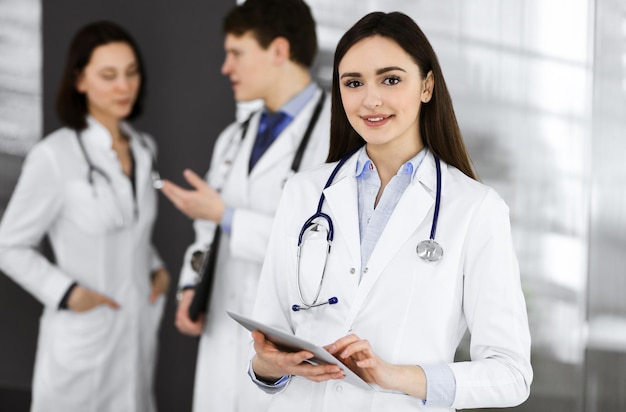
(428, 250)
(157, 183)
(232, 150)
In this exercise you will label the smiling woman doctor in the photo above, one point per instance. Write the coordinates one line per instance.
(420, 251)
(89, 187)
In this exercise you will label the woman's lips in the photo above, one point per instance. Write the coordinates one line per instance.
(376, 120)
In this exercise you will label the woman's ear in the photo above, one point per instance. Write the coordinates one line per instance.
(80, 83)
(428, 85)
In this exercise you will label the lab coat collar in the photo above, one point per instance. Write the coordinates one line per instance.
(411, 215)
(96, 135)
(143, 156)
(99, 140)
(426, 174)
(99, 137)
(287, 141)
(341, 200)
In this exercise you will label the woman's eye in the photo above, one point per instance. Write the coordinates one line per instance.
(390, 81)
(353, 83)
(108, 77)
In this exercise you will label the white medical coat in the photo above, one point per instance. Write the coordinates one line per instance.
(412, 312)
(103, 359)
(221, 382)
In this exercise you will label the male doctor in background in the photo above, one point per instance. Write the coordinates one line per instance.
(270, 46)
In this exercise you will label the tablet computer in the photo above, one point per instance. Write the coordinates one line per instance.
(287, 342)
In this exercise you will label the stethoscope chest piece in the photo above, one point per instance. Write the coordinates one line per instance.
(429, 250)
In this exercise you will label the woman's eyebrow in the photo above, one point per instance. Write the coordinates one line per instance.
(351, 74)
(378, 71)
(389, 69)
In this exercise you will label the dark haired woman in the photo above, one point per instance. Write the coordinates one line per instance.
(421, 251)
(89, 187)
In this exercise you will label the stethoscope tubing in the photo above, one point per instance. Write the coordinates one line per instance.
(320, 204)
(157, 182)
(330, 234)
(433, 228)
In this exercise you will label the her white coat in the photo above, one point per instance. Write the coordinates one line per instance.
(413, 312)
(103, 359)
(221, 382)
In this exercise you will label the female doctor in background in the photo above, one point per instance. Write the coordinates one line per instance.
(435, 258)
(89, 187)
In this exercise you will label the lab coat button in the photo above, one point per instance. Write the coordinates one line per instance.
(339, 388)
(352, 271)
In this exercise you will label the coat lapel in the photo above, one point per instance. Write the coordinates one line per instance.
(282, 147)
(409, 215)
(143, 157)
(97, 141)
(287, 142)
(341, 198)
(235, 187)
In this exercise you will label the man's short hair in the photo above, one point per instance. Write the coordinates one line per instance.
(269, 19)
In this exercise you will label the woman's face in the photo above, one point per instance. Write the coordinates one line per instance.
(382, 90)
(110, 81)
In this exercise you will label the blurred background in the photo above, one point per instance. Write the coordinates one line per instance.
(539, 88)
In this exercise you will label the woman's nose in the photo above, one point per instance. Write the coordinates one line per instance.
(372, 99)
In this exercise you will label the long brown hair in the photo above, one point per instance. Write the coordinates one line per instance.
(71, 105)
(437, 122)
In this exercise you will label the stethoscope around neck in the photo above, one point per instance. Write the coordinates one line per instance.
(92, 169)
(428, 250)
(157, 182)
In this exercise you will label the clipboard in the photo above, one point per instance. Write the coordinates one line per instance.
(289, 343)
(200, 302)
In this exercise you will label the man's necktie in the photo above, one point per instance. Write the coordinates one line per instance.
(270, 126)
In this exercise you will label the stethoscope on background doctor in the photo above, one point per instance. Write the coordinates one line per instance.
(157, 183)
(232, 149)
(429, 250)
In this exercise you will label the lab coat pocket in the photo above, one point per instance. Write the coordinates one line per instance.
(95, 209)
(80, 338)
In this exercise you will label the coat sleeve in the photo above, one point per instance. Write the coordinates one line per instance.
(499, 373)
(32, 210)
(204, 229)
